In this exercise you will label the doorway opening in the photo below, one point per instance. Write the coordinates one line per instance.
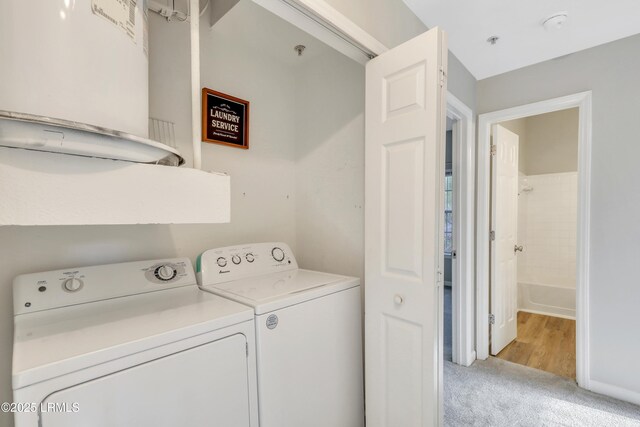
(449, 249)
(534, 164)
(530, 292)
(458, 184)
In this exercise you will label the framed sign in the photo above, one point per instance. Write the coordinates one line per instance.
(225, 119)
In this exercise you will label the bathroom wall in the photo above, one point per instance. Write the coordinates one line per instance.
(547, 224)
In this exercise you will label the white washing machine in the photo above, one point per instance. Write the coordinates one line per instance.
(308, 333)
(134, 344)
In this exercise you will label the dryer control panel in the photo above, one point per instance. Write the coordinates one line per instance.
(71, 286)
(236, 262)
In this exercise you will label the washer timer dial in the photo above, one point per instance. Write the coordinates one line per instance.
(236, 259)
(277, 254)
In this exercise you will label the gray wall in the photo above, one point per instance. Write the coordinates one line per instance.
(612, 72)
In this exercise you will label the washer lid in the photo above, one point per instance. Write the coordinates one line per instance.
(56, 342)
(277, 290)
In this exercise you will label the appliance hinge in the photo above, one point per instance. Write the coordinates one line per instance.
(494, 149)
(492, 235)
(492, 319)
(443, 77)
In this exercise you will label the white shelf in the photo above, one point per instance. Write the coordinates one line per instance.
(39, 188)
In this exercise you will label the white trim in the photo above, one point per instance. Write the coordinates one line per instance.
(462, 297)
(325, 23)
(615, 391)
(546, 313)
(195, 87)
(583, 102)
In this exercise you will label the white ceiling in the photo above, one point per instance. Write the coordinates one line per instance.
(250, 25)
(518, 23)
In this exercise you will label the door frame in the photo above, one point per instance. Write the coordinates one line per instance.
(462, 297)
(582, 101)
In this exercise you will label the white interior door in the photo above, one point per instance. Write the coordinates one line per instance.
(404, 179)
(504, 225)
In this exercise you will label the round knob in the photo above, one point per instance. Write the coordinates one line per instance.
(222, 261)
(236, 259)
(398, 299)
(250, 257)
(72, 285)
(165, 272)
(277, 254)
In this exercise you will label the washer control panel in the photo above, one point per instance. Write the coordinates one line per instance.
(60, 288)
(235, 262)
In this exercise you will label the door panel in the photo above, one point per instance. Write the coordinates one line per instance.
(504, 223)
(403, 178)
(404, 155)
(203, 386)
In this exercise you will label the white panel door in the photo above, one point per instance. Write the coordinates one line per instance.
(404, 155)
(202, 386)
(504, 224)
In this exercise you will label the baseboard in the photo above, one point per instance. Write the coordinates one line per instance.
(615, 391)
(471, 357)
(526, 310)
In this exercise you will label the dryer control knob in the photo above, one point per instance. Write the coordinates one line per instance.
(236, 259)
(222, 261)
(72, 285)
(165, 272)
(250, 257)
(277, 254)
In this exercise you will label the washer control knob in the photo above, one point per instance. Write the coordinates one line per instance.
(222, 262)
(250, 257)
(72, 284)
(165, 272)
(236, 259)
(277, 254)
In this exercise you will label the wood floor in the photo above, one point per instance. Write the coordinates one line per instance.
(544, 342)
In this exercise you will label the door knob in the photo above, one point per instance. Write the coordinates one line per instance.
(398, 299)
(517, 248)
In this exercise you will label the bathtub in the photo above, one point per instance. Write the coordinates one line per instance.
(551, 300)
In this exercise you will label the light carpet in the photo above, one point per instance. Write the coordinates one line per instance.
(497, 393)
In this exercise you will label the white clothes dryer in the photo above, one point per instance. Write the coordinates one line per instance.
(130, 345)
